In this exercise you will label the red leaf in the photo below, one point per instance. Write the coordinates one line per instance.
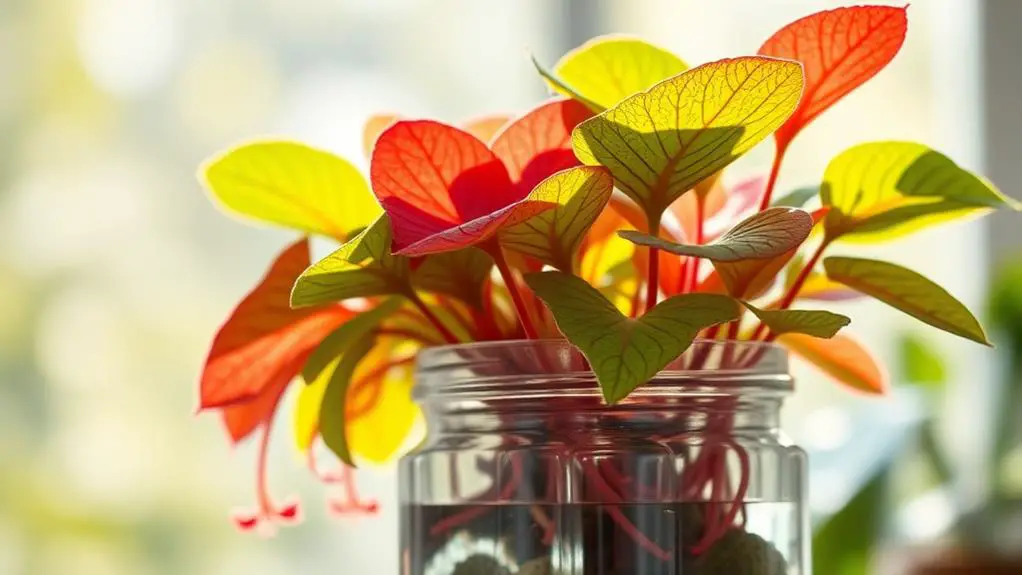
(264, 342)
(840, 50)
(538, 144)
(443, 188)
(241, 419)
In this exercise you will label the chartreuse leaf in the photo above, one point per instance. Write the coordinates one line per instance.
(605, 70)
(840, 49)
(334, 344)
(386, 412)
(920, 363)
(846, 542)
(765, 234)
(292, 185)
(363, 267)
(813, 322)
(332, 419)
(660, 143)
(907, 291)
(459, 273)
(624, 352)
(553, 237)
(881, 190)
(840, 357)
(797, 198)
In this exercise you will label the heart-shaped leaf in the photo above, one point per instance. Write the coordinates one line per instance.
(264, 343)
(484, 128)
(797, 198)
(292, 185)
(765, 234)
(443, 188)
(840, 49)
(660, 143)
(459, 273)
(881, 190)
(605, 70)
(907, 291)
(332, 410)
(553, 237)
(813, 322)
(623, 352)
(363, 267)
(538, 145)
(840, 357)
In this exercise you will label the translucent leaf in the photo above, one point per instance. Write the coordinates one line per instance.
(907, 291)
(623, 352)
(460, 274)
(553, 237)
(660, 143)
(840, 357)
(379, 434)
(292, 185)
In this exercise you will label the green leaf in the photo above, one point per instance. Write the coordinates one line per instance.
(882, 190)
(553, 237)
(460, 274)
(605, 70)
(907, 291)
(623, 352)
(797, 198)
(765, 234)
(845, 544)
(332, 420)
(356, 328)
(363, 267)
(660, 143)
(292, 185)
(817, 323)
(921, 364)
(560, 86)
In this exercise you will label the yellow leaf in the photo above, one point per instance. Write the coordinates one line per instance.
(379, 434)
(840, 357)
(882, 190)
(607, 69)
(310, 396)
(660, 143)
(292, 185)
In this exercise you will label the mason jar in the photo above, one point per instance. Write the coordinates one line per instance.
(526, 470)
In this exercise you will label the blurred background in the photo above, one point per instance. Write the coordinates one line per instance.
(116, 270)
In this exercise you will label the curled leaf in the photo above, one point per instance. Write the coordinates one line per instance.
(291, 185)
(840, 357)
(553, 237)
(660, 143)
(907, 291)
(840, 50)
(765, 234)
(623, 352)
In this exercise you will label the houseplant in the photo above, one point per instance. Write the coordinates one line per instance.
(587, 219)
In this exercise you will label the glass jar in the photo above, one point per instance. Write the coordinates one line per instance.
(525, 470)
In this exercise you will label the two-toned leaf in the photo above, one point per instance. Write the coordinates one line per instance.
(264, 342)
(840, 50)
(623, 352)
(605, 70)
(842, 358)
(766, 234)
(363, 267)
(554, 236)
(538, 145)
(332, 419)
(907, 291)
(660, 143)
(880, 190)
(812, 322)
(443, 188)
(460, 274)
(291, 185)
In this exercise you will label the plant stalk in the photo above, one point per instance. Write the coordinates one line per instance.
(497, 253)
(653, 280)
(447, 334)
(775, 169)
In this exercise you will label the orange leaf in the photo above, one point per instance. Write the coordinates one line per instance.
(264, 341)
(486, 127)
(842, 358)
(840, 50)
(241, 419)
(372, 129)
(538, 144)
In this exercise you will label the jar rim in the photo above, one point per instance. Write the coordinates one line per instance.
(555, 366)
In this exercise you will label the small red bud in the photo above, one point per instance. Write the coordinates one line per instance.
(289, 513)
(246, 522)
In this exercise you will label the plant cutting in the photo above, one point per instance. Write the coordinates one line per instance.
(598, 313)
